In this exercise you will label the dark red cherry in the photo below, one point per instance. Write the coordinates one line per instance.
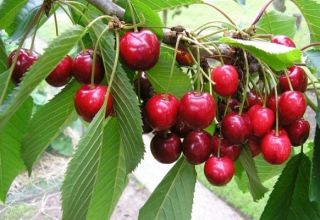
(197, 109)
(234, 128)
(140, 50)
(271, 102)
(24, 61)
(298, 79)
(276, 149)
(219, 170)
(292, 106)
(184, 58)
(161, 111)
(298, 132)
(253, 99)
(283, 40)
(234, 105)
(262, 120)
(196, 147)
(166, 148)
(61, 75)
(232, 151)
(181, 128)
(89, 99)
(226, 80)
(254, 145)
(143, 86)
(83, 64)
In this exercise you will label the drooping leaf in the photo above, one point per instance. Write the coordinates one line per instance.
(39, 71)
(172, 199)
(313, 61)
(289, 199)
(159, 76)
(276, 56)
(3, 57)
(310, 9)
(47, 123)
(256, 188)
(314, 193)
(277, 23)
(8, 11)
(11, 163)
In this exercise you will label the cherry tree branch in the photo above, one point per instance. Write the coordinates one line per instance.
(108, 7)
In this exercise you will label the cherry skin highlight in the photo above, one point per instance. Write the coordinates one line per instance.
(297, 77)
(62, 74)
(234, 128)
(262, 120)
(219, 170)
(226, 80)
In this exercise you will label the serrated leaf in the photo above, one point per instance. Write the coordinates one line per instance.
(310, 10)
(277, 23)
(3, 57)
(313, 61)
(276, 56)
(8, 11)
(57, 50)
(314, 193)
(256, 188)
(11, 163)
(163, 5)
(47, 123)
(172, 199)
(289, 199)
(159, 76)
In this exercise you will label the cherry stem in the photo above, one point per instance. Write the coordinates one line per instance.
(185, 38)
(209, 27)
(312, 105)
(199, 75)
(313, 84)
(220, 11)
(133, 16)
(315, 44)
(259, 15)
(211, 34)
(227, 106)
(219, 52)
(245, 90)
(35, 32)
(219, 147)
(288, 79)
(56, 23)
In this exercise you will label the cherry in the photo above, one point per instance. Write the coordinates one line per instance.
(166, 148)
(89, 99)
(232, 151)
(161, 111)
(235, 128)
(292, 106)
(181, 128)
(283, 40)
(196, 147)
(184, 58)
(140, 50)
(143, 86)
(298, 132)
(262, 120)
(226, 80)
(83, 64)
(234, 105)
(271, 102)
(253, 99)
(25, 60)
(276, 149)
(297, 77)
(254, 145)
(61, 75)
(219, 170)
(197, 109)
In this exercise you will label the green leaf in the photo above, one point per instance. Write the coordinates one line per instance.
(172, 199)
(8, 11)
(11, 163)
(313, 61)
(159, 76)
(256, 188)
(57, 50)
(277, 23)
(3, 57)
(163, 5)
(314, 193)
(144, 14)
(47, 123)
(276, 56)
(289, 199)
(267, 171)
(310, 9)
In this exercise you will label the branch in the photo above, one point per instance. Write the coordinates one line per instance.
(108, 7)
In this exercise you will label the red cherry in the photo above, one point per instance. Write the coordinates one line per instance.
(232, 151)
(283, 40)
(25, 60)
(298, 79)
(234, 128)
(89, 99)
(219, 171)
(61, 75)
(162, 111)
(276, 149)
(253, 99)
(234, 105)
(226, 80)
(82, 67)
(196, 147)
(184, 58)
(298, 132)
(143, 86)
(181, 128)
(262, 120)
(140, 50)
(292, 106)
(271, 102)
(166, 148)
(197, 109)
(254, 145)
